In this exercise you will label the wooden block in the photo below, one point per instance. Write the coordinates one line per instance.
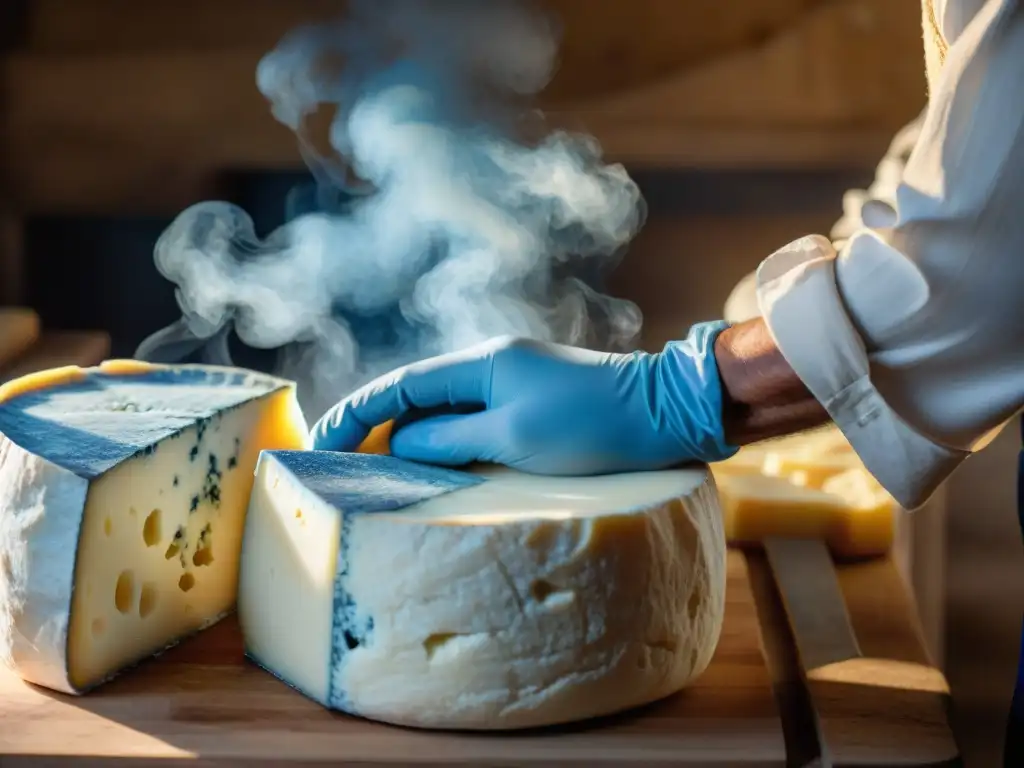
(875, 693)
(813, 600)
(56, 350)
(19, 330)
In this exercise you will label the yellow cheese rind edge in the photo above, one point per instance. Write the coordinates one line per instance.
(378, 441)
(56, 377)
(40, 380)
(128, 367)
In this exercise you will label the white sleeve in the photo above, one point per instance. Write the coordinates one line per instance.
(912, 337)
(875, 207)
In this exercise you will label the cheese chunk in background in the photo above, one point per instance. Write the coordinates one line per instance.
(810, 485)
(851, 516)
(123, 492)
(19, 330)
(490, 599)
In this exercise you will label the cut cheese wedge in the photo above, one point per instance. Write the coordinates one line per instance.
(809, 485)
(850, 513)
(19, 330)
(479, 600)
(123, 492)
(808, 458)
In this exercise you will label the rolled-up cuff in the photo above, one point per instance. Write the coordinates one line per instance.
(801, 305)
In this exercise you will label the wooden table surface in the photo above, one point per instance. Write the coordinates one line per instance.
(755, 706)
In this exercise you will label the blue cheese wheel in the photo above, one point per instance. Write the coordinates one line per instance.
(479, 600)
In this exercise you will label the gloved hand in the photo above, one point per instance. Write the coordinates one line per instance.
(545, 408)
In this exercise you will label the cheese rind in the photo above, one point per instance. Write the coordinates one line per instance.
(123, 492)
(486, 600)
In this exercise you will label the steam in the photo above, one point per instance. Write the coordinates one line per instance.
(452, 227)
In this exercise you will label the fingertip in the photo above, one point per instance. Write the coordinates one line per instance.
(452, 440)
(425, 441)
(337, 430)
(415, 442)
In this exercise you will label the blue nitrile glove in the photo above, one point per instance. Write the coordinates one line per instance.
(546, 408)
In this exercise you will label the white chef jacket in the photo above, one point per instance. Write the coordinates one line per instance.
(909, 328)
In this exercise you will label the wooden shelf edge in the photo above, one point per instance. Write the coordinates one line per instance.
(55, 349)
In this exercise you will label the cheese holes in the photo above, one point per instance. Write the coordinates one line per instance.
(124, 591)
(203, 556)
(186, 582)
(147, 600)
(204, 548)
(693, 604)
(151, 528)
(436, 641)
(175, 546)
(108, 525)
(541, 590)
(551, 596)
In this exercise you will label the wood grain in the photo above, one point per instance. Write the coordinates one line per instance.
(807, 582)
(202, 700)
(59, 348)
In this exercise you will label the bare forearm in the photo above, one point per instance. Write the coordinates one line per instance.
(762, 396)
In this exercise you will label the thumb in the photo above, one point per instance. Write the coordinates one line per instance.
(450, 440)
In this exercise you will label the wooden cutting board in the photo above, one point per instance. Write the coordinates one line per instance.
(754, 706)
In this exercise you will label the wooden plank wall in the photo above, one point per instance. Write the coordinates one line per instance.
(133, 106)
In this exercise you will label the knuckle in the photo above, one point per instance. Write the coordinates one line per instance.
(511, 343)
(503, 342)
(527, 427)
